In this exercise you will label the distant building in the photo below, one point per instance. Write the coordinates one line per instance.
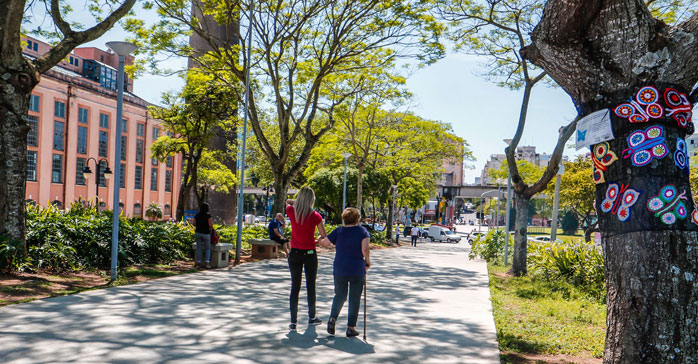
(72, 120)
(527, 153)
(691, 144)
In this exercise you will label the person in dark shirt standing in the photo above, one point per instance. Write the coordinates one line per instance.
(276, 231)
(351, 260)
(204, 224)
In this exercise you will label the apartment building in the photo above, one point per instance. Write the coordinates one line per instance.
(72, 119)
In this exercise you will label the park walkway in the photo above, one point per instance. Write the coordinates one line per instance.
(428, 304)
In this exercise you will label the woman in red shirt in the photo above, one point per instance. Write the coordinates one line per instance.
(303, 254)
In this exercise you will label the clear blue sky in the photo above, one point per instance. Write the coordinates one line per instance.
(451, 91)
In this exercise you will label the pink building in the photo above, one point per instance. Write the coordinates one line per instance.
(72, 119)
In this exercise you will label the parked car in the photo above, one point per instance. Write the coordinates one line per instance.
(473, 236)
(440, 233)
(542, 239)
(260, 219)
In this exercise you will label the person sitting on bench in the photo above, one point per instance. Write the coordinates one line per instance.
(276, 231)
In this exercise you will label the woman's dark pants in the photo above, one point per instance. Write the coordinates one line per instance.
(354, 285)
(297, 260)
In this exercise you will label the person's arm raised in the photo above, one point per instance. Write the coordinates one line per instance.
(290, 202)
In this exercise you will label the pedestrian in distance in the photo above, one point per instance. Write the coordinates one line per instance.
(351, 260)
(202, 234)
(414, 234)
(303, 254)
(276, 231)
(397, 234)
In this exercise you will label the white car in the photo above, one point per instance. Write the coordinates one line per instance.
(543, 239)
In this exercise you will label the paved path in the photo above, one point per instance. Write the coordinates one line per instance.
(428, 304)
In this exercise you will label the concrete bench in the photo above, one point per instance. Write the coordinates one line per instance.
(220, 254)
(264, 248)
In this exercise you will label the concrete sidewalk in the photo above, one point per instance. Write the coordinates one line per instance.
(428, 304)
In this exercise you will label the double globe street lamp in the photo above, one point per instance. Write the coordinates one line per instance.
(87, 172)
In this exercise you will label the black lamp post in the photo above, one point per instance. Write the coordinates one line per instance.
(267, 210)
(87, 172)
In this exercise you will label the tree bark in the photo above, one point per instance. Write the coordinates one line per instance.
(16, 85)
(520, 235)
(359, 186)
(389, 219)
(281, 190)
(652, 299)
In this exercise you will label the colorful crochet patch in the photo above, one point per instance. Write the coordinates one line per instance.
(667, 205)
(680, 158)
(643, 108)
(694, 215)
(645, 145)
(678, 106)
(619, 199)
(603, 157)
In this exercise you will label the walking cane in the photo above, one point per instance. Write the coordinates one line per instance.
(365, 276)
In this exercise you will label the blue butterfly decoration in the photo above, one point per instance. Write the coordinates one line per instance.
(581, 135)
(646, 145)
(680, 158)
(668, 205)
(619, 200)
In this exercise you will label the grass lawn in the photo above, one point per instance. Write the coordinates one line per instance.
(540, 230)
(539, 321)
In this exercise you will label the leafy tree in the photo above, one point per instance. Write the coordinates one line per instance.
(577, 193)
(20, 75)
(191, 117)
(602, 53)
(328, 185)
(497, 29)
(153, 212)
(305, 58)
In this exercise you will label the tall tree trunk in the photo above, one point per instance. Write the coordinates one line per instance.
(521, 235)
(614, 55)
(15, 89)
(188, 195)
(281, 194)
(389, 220)
(651, 279)
(359, 186)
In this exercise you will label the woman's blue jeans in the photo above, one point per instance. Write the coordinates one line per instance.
(353, 286)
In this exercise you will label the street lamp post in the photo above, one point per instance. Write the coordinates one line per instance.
(556, 203)
(482, 215)
(344, 199)
(87, 172)
(238, 238)
(122, 49)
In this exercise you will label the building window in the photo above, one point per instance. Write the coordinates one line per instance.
(57, 169)
(156, 133)
(168, 181)
(29, 45)
(155, 161)
(104, 121)
(124, 141)
(34, 102)
(79, 178)
(82, 140)
(122, 175)
(169, 162)
(139, 150)
(167, 210)
(57, 204)
(153, 179)
(140, 129)
(35, 47)
(139, 178)
(103, 143)
(59, 109)
(124, 126)
(58, 129)
(33, 135)
(102, 168)
(31, 165)
(137, 209)
(83, 115)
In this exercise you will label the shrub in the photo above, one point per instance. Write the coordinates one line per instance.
(11, 255)
(579, 263)
(490, 247)
(569, 223)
